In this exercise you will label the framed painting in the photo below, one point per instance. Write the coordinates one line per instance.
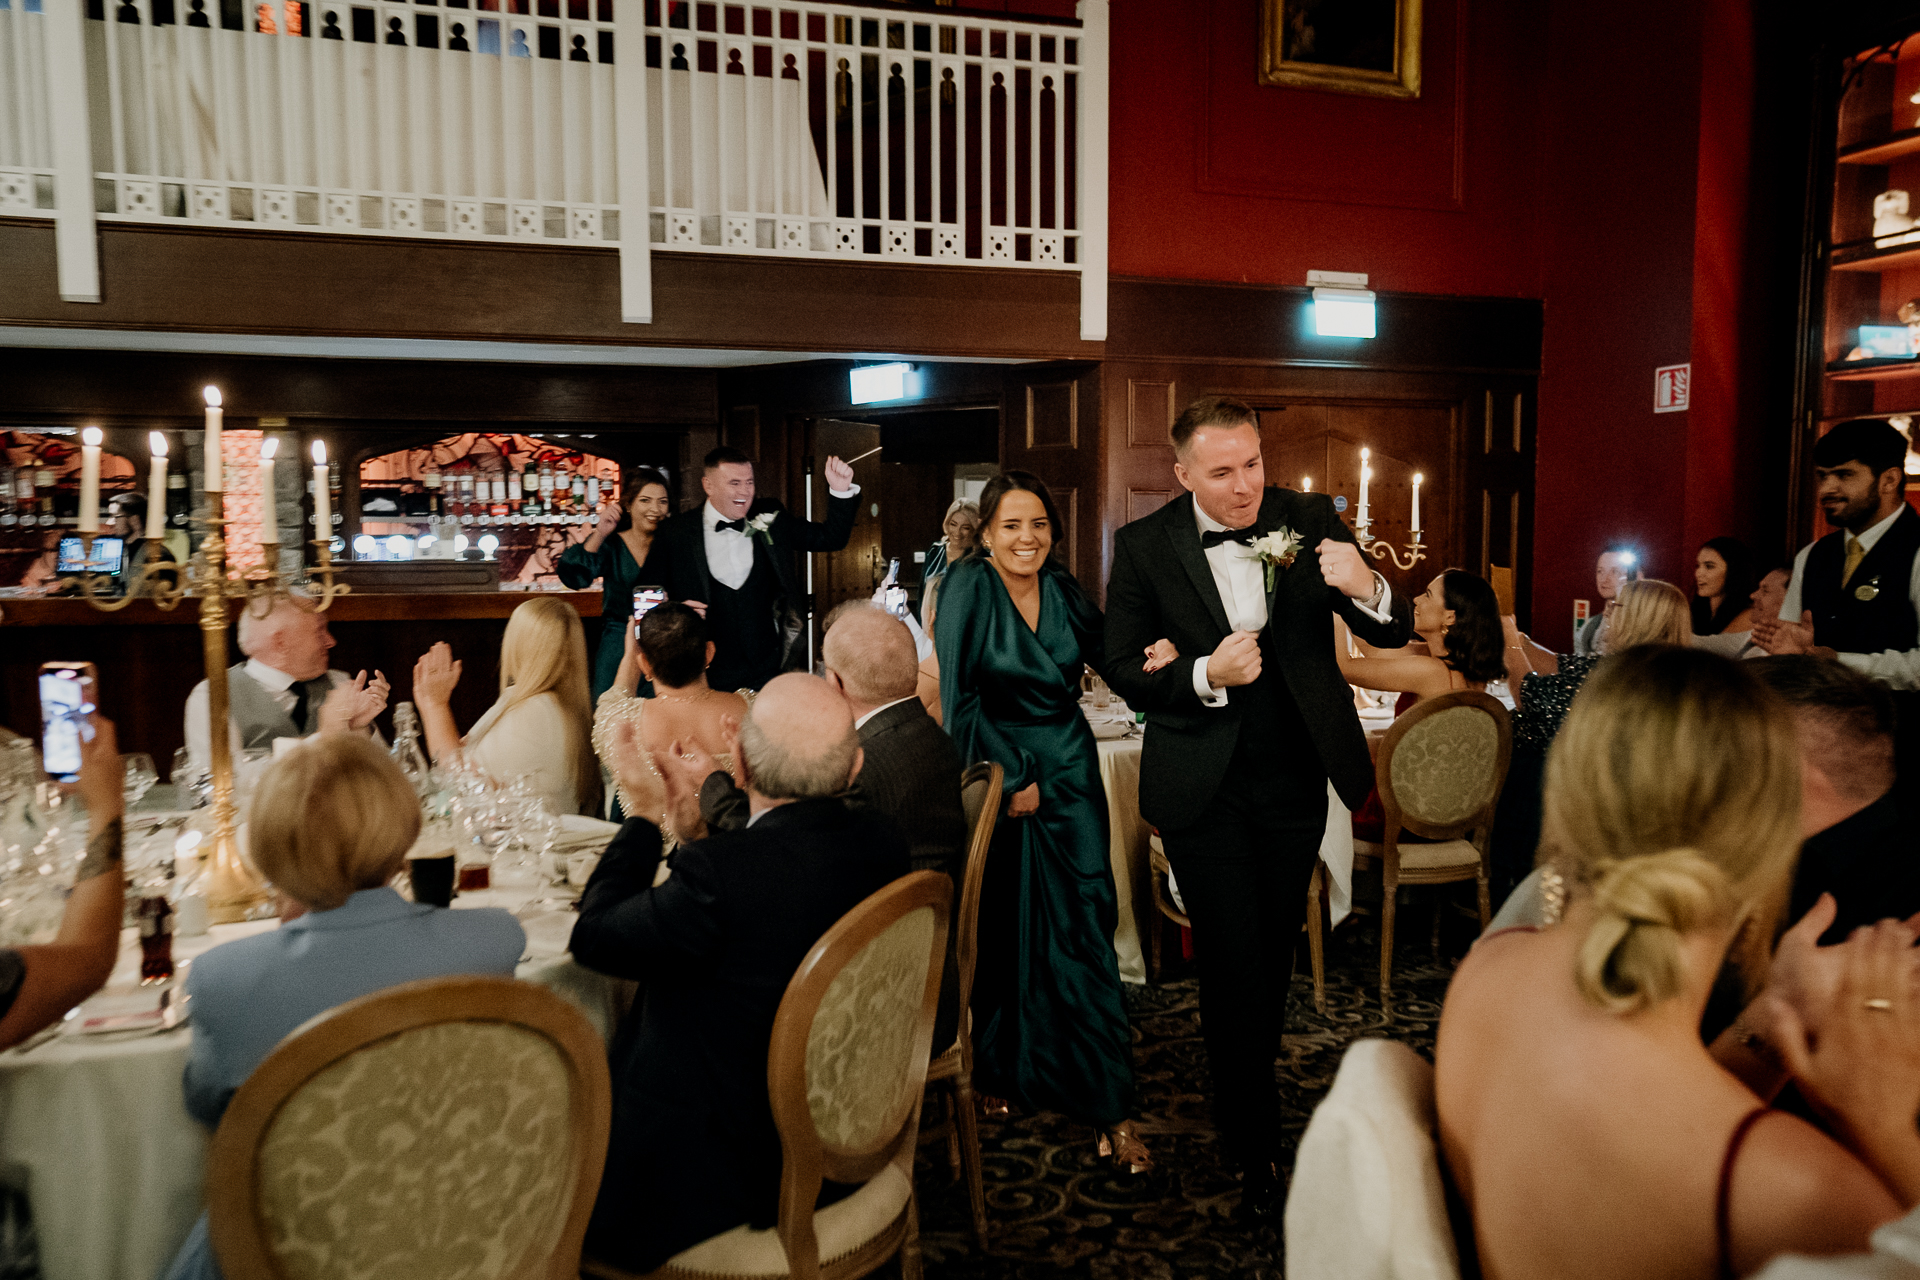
(1369, 47)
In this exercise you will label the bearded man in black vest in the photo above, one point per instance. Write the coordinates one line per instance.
(1855, 594)
(732, 560)
(1244, 731)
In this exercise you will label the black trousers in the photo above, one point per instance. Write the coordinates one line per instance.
(1243, 870)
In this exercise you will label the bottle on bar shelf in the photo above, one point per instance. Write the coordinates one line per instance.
(466, 495)
(179, 502)
(546, 492)
(8, 517)
(529, 491)
(592, 499)
(431, 479)
(43, 493)
(579, 494)
(333, 492)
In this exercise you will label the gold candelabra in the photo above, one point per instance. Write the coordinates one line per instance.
(233, 889)
(1384, 551)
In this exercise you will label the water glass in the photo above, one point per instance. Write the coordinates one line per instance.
(141, 777)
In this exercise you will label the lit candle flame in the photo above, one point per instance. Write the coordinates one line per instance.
(1306, 484)
(269, 447)
(92, 436)
(157, 443)
(1416, 477)
(319, 453)
(213, 397)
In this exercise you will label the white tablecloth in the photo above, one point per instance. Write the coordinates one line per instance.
(97, 1134)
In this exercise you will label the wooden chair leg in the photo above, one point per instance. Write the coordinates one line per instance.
(969, 1126)
(910, 1263)
(1486, 901)
(1316, 947)
(1155, 935)
(1389, 892)
(953, 1126)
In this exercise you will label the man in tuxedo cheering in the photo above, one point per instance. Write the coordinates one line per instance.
(733, 561)
(1243, 732)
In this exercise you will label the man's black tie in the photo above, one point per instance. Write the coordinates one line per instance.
(738, 526)
(303, 695)
(1214, 537)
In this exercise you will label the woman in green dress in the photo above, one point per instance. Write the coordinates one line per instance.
(1015, 631)
(616, 553)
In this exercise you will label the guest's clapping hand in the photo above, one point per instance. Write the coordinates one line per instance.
(1025, 802)
(435, 676)
(1159, 654)
(1344, 570)
(370, 698)
(354, 704)
(1777, 636)
(676, 768)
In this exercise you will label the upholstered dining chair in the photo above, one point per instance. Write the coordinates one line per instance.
(953, 1070)
(447, 1127)
(846, 1070)
(1160, 870)
(1439, 770)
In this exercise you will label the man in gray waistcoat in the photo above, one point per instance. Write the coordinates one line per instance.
(279, 690)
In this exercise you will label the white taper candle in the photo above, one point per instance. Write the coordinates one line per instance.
(322, 500)
(157, 488)
(269, 518)
(214, 482)
(90, 480)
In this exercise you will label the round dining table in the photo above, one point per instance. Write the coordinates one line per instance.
(94, 1129)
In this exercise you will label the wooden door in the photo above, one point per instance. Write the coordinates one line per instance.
(855, 571)
(1050, 426)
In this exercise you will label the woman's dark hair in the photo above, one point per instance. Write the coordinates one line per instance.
(1000, 486)
(674, 640)
(638, 479)
(1736, 595)
(1476, 646)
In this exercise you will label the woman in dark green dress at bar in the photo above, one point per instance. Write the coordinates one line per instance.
(1015, 631)
(616, 553)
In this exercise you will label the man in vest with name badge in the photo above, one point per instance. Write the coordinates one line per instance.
(1855, 594)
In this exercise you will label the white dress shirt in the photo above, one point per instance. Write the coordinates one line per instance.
(730, 551)
(1892, 667)
(279, 687)
(861, 723)
(1241, 578)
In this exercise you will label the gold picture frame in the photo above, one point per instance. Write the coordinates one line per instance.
(1342, 46)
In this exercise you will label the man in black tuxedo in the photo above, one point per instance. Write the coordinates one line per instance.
(1855, 594)
(732, 559)
(693, 1149)
(911, 774)
(1244, 730)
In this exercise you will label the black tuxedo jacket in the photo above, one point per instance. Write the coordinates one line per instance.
(911, 777)
(1162, 585)
(683, 538)
(714, 948)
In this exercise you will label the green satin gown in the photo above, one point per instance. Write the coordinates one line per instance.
(613, 565)
(1050, 1022)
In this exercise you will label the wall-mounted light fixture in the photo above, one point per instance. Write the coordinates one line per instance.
(870, 384)
(1342, 304)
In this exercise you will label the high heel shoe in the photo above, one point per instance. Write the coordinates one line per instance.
(992, 1108)
(1123, 1146)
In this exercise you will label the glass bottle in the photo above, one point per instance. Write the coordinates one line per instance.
(406, 750)
(7, 516)
(546, 491)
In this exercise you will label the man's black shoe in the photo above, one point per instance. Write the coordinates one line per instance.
(1262, 1197)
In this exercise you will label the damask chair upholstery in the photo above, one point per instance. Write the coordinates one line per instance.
(452, 1127)
(1368, 1197)
(846, 1071)
(980, 788)
(1439, 770)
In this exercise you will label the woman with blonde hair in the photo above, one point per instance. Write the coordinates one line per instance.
(541, 726)
(329, 825)
(1586, 1125)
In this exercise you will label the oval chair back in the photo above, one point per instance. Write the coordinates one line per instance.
(848, 1062)
(452, 1126)
(980, 798)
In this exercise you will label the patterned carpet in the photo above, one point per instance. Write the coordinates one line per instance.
(1056, 1210)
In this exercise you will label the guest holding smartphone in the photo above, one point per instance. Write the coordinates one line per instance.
(615, 554)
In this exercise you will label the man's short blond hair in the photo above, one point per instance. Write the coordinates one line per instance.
(872, 652)
(253, 629)
(331, 817)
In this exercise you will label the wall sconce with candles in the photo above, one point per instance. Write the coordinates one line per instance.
(234, 891)
(1363, 523)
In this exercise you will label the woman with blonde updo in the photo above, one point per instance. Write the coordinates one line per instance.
(1588, 1128)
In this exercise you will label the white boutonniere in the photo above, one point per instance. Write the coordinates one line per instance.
(758, 527)
(1275, 549)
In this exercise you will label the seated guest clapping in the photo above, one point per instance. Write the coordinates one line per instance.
(1458, 618)
(694, 1151)
(538, 728)
(39, 984)
(672, 651)
(329, 826)
(278, 691)
(1585, 1123)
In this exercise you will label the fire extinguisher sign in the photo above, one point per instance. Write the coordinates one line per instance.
(1670, 386)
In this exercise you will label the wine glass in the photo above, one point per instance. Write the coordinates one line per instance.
(141, 777)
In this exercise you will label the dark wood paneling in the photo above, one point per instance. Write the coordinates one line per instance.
(1190, 321)
(203, 280)
(1053, 431)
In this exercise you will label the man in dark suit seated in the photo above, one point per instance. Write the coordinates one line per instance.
(912, 770)
(693, 1149)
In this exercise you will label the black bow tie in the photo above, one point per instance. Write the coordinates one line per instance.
(738, 526)
(1214, 537)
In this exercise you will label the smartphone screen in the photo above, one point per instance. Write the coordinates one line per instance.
(66, 700)
(645, 598)
(896, 602)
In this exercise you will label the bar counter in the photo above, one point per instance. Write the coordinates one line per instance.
(149, 658)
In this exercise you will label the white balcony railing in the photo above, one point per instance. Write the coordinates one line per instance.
(793, 130)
